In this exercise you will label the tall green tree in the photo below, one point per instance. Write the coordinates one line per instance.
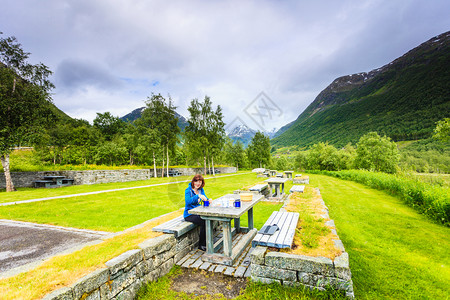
(216, 134)
(24, 100)
(442, 130)
(377, 153)
(109, 125)
(159, 116)
(259, 150)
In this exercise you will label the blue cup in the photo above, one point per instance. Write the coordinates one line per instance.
(237, 203)
(206, 203)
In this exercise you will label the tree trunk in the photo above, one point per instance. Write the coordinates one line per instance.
(209, 165)
(212, 163)
(204, 164)
(162, 171)
(5, 163)
(154, 165)
(167, 160)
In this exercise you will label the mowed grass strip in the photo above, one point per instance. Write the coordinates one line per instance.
(61, 271)
(37, 193)
(116, 211)
(395, 253)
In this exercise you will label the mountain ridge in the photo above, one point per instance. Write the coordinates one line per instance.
(402, 99)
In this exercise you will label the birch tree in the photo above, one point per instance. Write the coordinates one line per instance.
(24, 100)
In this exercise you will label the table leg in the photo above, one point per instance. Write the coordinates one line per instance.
(282, 188)
(227, 242)
(209, 236)
(250, 219)
(237, 225)
(277, 190)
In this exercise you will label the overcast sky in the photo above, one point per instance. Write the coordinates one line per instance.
(264, 62)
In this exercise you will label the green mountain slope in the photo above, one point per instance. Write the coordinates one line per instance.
(403, 100)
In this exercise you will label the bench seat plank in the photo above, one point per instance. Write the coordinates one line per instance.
(282, 238)
(297, 188)
(258, 187)
(178, 226)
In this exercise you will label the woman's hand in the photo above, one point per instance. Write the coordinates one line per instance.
(202, 198)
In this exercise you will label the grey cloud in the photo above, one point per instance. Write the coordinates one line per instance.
(73, 75)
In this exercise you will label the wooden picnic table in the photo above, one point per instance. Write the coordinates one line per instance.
(276, 183)
(273, 172)
(217, 212)
(288, 174)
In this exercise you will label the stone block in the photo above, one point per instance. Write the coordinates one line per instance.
(264, 280)
(339, 245)
(152, 276)
(275, 273)
(122, 282)
(90, 282)
(257, 255)
(330, 223)
(165, 267)
(95, 295)
(313, 265)
(125, 261)
(342, 267)
(65, 293)
(163, 257)
(154, 246)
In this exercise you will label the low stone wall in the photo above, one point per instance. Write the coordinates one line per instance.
(312, 272)
(293, 270)
(124, 275)
(25, 179)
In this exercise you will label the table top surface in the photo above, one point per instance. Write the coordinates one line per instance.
(215, 208)
(288, 171)
(276, 180)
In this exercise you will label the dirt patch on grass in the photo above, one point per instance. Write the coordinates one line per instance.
(202, 283)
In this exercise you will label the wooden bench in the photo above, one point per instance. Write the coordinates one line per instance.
(177, 226)
(284, 236)
(297, 188)
(43, 183)
(258, 188)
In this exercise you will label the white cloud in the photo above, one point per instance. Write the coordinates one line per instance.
(111, 55)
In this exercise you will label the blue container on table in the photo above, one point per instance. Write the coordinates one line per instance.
(237, 203)
(206, 203)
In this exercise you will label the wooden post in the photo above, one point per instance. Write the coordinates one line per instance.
(227, 242)
(209, 236)
(237, 225)
(250, 219)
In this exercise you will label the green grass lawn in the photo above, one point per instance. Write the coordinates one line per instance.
(116, 211)
(395, 253)
(33, 193)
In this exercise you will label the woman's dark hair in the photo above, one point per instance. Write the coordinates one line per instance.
(196, 178)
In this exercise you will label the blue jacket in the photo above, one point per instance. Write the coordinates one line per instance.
(191, 199)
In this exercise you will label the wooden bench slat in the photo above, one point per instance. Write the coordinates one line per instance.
(178, 226)
(258, 236)
(284, 221)
(258, 187)
(287, 234)
(282, 238)
(297, 188)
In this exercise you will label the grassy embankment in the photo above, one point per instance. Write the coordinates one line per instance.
(395, 252)
(113, 211)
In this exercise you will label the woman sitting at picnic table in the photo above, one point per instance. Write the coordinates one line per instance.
(193, 197)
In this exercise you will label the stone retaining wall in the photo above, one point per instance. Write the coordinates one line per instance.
(124, 275)
(25, 179)
(312, 272)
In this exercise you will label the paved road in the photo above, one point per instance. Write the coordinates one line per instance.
(23, 245)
